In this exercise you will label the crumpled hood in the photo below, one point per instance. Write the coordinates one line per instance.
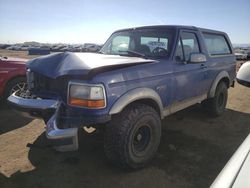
(69, 63)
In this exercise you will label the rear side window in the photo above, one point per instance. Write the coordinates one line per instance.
(216, 44)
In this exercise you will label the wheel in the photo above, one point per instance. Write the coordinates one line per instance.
(17, 84)
(216, 105)
(133, 136)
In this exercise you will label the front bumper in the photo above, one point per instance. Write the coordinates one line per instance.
(32, 107)
(42, 108)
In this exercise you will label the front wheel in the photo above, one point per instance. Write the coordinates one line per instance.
(17, 84)
(133, 136)
(217, 104)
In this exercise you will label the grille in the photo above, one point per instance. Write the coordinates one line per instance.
(30, 79)
(38, 82)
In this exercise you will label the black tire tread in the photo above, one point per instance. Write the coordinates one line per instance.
(117, 132)
(210, 105)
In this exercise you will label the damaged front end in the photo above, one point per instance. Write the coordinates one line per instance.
(47, 98)
(47, 109)
(63, 93)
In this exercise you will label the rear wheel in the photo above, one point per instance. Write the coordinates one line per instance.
(133, 136)
(217, 104)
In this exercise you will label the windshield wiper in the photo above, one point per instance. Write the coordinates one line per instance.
(134, 53)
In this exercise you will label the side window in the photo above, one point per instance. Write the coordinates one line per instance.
(120, 43)
(216, 44)
(190, 44)
(187, 45)
(179, 52)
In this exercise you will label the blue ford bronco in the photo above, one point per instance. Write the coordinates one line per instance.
(140, 76)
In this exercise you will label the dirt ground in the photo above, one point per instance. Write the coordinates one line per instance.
(19, 54)
(194, 148)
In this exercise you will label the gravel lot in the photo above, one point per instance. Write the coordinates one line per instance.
(194, 148)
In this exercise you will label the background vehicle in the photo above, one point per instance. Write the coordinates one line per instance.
(243, 75)
(241, 55)
(236, 172)
(12, 75)
(128, 87)
(88, 47)
(248, 54)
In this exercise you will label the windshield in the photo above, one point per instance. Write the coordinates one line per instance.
(147, 43)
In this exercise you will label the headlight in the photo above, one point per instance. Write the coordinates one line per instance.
(85, 95)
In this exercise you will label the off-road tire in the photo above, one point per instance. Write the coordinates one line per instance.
(121, 144)
(216, 105)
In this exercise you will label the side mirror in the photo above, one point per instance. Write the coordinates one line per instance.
(197, 58)
(243, 75)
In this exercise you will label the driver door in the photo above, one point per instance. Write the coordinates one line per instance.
(189, 77)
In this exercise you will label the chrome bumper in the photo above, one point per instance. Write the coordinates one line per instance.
(31, 107)
(35, 108)
(33, 103)
(53, 132)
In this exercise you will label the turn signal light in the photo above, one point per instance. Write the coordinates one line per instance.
(87, 103)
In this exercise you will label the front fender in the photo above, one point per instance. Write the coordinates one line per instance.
(134, 95)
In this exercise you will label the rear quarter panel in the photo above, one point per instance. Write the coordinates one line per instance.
(218, 63)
